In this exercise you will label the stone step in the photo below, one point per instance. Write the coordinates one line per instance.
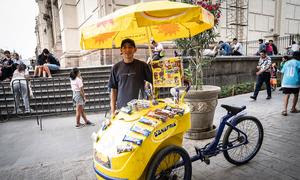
(51, 96)
(82, 69)
(58, 84)
(11, 112)
(66, 102)
(55, 95)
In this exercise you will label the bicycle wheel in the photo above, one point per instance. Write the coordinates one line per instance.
(162, 166)
(244, 153)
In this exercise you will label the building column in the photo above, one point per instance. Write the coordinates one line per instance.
(57, 47)
(280, 21)
(70, 35)
(43, 29)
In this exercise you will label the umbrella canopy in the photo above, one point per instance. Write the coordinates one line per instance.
(161, 20)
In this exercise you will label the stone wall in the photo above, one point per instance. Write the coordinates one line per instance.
(232, 70)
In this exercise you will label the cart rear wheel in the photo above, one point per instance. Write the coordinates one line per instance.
(244, 153)
(172, 162)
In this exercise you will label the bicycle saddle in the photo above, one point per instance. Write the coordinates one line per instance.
(233, 110)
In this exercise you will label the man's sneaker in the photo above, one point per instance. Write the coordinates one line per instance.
(269, 97)
(253, 97)
(89, 123)
(28, 111)
(78, 126)
(18, 111)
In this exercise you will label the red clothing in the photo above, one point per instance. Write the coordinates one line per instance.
(269, 48)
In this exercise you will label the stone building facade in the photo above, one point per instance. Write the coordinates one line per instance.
(59, 22)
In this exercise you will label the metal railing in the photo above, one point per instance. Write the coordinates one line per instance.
(50, 96)
(282, 43)
(4, 114)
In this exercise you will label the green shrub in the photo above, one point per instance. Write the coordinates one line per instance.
(231, 90)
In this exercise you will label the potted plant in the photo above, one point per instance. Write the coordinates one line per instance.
(202, 99)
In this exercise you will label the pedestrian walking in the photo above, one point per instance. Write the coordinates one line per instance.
(263, 74)
(79, 98)
(291, 82)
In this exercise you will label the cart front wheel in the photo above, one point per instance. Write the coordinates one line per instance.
(172, 162)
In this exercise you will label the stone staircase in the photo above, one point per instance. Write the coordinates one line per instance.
(54, 95)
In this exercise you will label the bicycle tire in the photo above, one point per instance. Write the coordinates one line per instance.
(160, 160)
(230, 131)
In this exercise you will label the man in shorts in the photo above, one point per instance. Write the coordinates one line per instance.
(127, 77)
(291, 82)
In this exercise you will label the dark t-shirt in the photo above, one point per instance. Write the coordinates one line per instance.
(52, 60)
(7, 62)
(41, 60)
(128, 79)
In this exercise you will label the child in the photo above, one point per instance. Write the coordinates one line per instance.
(273, 80)
(78, 97)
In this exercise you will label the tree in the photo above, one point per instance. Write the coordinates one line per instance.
(195, 45)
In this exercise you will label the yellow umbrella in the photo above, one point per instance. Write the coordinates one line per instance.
(162, 20)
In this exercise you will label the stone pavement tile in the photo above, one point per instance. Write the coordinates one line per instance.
(263, 171)
(293, 171)
(32, 154)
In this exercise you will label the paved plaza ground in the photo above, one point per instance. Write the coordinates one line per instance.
(62, 152)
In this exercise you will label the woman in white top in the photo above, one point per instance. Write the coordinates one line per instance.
(79, 97)
(20, 87)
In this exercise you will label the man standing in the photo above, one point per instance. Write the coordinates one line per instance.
(263, 74)
(262, 46)
(127, 77)
(291, 82)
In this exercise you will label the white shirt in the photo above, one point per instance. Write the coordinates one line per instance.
(19, 76)
(19, 61)
(76, 84)
(295, 47)
(238, 46)
(159, 47)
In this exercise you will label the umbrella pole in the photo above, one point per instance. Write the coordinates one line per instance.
(149, 60)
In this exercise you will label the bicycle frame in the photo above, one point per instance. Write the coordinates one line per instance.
(214, 148)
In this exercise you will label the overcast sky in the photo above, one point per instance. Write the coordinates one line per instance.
(17, 19)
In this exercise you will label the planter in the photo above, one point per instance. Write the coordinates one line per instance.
(203, 104)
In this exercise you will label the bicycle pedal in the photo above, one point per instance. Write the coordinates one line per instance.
(206, 160)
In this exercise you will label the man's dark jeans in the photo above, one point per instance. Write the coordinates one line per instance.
(263, 77)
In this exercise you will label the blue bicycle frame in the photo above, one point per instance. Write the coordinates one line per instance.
(215, 147)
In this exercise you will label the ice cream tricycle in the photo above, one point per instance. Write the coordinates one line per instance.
(144, 140)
